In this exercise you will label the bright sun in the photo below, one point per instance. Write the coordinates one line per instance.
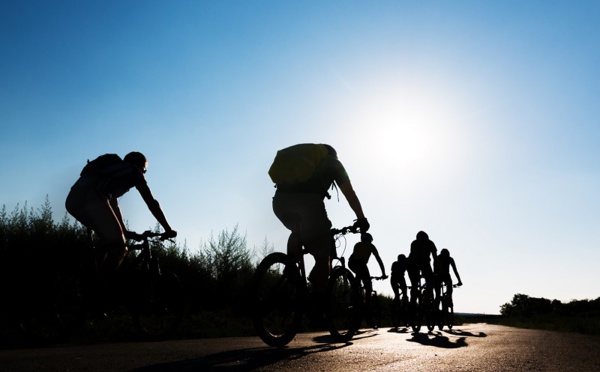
(411, 138)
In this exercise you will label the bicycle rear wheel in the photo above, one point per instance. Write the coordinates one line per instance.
(158, 304)
(277, 291)
(416, 319)
(442, 316)
(429, 313)
(375, 311)
(450, 315)
(343, 310)
(400, 313)
(395, 313)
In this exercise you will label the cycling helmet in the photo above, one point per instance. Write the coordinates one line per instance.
(366, 237)
(138, 159)
(401, 257)
(445, 252)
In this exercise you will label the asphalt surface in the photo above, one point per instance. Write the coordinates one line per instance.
(475, 347)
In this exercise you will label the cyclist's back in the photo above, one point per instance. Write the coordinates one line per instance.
(360, 258)
(419, 262)
(442, 266)
(398, 280)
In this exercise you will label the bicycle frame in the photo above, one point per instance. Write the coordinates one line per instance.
(145, 255)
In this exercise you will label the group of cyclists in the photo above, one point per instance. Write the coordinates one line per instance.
(303, 175)
(418, 265)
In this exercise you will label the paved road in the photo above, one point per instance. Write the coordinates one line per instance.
(475, 347)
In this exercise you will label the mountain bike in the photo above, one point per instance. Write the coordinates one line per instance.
(153, 297)
(422, 308)
(400, 311)
(446, 314)
(280, 296)
(158, 301)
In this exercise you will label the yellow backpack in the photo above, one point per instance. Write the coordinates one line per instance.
(297, 164)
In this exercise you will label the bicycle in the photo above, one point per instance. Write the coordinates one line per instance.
(400, 311)
(446, 314)
(371, 312)
(153, 297)
(422, 308)
(280, 296)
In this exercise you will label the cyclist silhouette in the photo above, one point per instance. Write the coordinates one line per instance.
(398, 280)
(93, 201)
(358, 263)
(300, 206)
(442, 274)
(419, 264)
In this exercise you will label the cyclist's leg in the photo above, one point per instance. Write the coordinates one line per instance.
(319, 249)
(396, 288)
(438, 280)
(449, 283)
(367, 283)
(305, 216)
(414, 276)
(95, 212)
(429, 279)
(307, 212)
(403, 286)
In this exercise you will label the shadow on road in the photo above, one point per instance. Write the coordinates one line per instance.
(438, 339)
(458, 332)
(243, 359)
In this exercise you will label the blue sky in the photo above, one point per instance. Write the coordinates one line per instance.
(476, 122)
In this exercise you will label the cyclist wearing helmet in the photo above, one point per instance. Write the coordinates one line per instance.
(442, 274)
(358, 263)
(93, 201)
(419, 264)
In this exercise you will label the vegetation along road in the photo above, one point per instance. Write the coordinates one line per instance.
(471, 347)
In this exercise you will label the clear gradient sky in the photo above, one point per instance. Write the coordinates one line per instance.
(475, 121)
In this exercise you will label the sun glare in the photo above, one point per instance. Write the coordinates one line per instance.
(414, 139)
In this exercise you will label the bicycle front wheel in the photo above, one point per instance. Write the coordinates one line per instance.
(395, 313)
(276, 292)
(375, 311)
(416, 318)
(430, 314)
(450, 316)
(158, 304)
(442, 316)
(343, 311)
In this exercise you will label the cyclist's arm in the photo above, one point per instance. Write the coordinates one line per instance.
(154, 207)
(352, 199)
(114, 204)
(379, 261)
(455, 271)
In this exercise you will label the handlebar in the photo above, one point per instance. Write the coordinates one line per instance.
(345, 230)
(151, 234)
(379, 277)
